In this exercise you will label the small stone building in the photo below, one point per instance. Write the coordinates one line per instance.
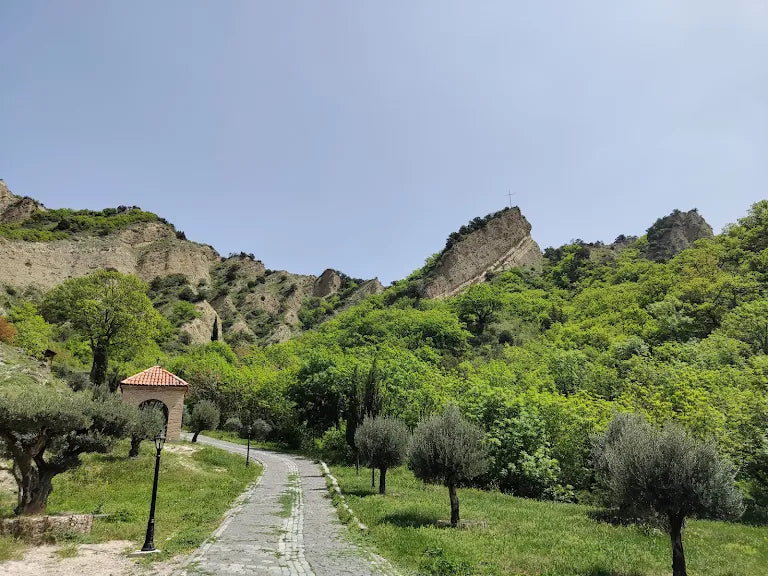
(157, 387)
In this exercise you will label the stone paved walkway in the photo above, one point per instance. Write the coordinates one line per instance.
(259, 536)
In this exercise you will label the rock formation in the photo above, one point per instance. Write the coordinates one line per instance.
(328, 283)
(15, 208)
(147, 250)
(500, 242)
(200, 329)
(674, 233)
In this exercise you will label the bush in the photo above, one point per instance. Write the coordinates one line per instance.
(448, 450)
(7, 331)
(233, 425)
(333, 447)
(259, 430)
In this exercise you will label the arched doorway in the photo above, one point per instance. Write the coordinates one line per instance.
(159, 405)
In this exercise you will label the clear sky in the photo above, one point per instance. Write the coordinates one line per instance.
(358, 135)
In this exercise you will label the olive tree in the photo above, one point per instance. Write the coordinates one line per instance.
(448, 450)
(44, 429)
(150, 422)
(666, 473)
(205, 416)
(384, 442)
(108, 310)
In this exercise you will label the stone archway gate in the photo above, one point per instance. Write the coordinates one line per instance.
(156, 383)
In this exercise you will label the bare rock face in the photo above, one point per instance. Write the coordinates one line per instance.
(674, 233)
(200, 329)
(367, 288)
(328, 283)
(15, 208)
(503, 242)
(147, 250)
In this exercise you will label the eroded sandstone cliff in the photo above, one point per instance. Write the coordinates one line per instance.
(502, 241)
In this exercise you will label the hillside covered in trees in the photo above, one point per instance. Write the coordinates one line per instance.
(540, 358)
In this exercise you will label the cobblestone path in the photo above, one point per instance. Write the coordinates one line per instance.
(284, 525)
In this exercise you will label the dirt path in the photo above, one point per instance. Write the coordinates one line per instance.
(285, 525)
(106, 559)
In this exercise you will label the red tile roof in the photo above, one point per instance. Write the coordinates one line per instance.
(155, 376)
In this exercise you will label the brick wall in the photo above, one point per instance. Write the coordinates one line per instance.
(172, 397)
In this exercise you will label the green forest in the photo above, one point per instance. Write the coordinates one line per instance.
(541, 360)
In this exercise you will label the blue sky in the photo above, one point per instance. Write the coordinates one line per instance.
(358, 135)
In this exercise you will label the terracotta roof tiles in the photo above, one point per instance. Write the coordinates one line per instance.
(155, 376)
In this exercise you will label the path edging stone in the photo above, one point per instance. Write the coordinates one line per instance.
(342, 500)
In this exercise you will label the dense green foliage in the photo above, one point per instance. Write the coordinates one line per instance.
(47, 225)
(107, 310)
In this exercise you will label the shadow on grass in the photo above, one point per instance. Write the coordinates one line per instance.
(360, 492)
(614, 517)
(410, 520)
(603, 571)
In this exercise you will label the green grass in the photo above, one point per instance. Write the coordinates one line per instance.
(194, 491)
(534, 538)
(288, 498)
(11, 548)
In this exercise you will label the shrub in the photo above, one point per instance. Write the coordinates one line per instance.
(7, 331)
(259, 430)
(333, 447)
(233, 425)
(665, 473)
(448, 450)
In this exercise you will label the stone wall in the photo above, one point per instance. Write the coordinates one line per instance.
(171, 396)
(39, 529)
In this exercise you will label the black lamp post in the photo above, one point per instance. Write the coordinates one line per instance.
(149, 541)
(248, 451)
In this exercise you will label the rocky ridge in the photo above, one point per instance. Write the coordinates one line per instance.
(248, 302)
(498, 242)
(674, 233)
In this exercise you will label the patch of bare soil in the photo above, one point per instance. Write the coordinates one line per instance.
(181, 448)
(7, 482)
(106, 559)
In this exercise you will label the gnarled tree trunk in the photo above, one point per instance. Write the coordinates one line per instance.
(678, 555)
(454, 505)
(35, 489)
(194, 436)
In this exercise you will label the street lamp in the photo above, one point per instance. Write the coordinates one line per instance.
(248, 451)
(149, 541)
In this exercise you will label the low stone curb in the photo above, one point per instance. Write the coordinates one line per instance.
(342, 499)
(36, 529)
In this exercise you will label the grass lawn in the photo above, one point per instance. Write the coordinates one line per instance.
(194, 491)
(534, 538)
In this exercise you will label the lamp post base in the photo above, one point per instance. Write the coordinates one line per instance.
(140, 553)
